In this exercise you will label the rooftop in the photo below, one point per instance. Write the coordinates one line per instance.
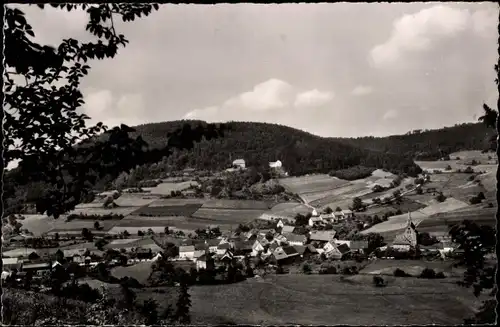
(188, 248)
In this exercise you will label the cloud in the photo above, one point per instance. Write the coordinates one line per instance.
(101, 105)
(312, 98)
(391, 114)
(271, 97)
(362, 90)
(485, 22)
(420, 31)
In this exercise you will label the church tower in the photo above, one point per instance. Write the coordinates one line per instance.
(410, 233)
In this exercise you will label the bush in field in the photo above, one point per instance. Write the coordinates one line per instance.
(475, 200)
(352, 173)
(306, 268)
(469, 170)
(428, 273)
(440, 197)
(448, 168)
(400, 273)
(329, 270)
(440, 275)
(377, 188)
(378, 281)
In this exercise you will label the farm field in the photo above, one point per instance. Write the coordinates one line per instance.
(175, 202)
(345, 192)
(167, 188)
(290, 209)
(139, 271)
(412, 267)
(311, 183)
(399, 222)
(236, 204)
(325, 299)
(465, 156)
(227, 215)
(180, 210)
(130, 200)
(102, 211)
(483, 216)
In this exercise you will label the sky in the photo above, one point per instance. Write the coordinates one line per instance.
(334, 70)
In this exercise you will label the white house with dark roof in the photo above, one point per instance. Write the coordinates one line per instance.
(11, 263)
(315, 221)
(239, 163)
(322, 236)
(186, 252)
(347, 213)
(294, 239)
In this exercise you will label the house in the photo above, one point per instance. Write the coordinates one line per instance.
(287, 229)
(157, 257)
(279, 239)
(294, 239)
(358, 246)
(37, 267)
(242, 247)
(223, 247)
(315, 213)
(239, 163)
(322, 236)
(256, 248)
(313, 221)
(75, 255)
(283, 255)
(331, 250)
(280, 224)
(212, 245)
(275, 164)
(227, 257)
(11, 263)
(328, 217)
(251, 235)
(338, 215)
(198, 253)
(186, 252)
(347, 214)
(407, 240)
(205, 262)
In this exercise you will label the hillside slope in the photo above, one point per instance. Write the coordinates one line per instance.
(260, 143)
(430, 144)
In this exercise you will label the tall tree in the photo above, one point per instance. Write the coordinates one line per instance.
(183, 304)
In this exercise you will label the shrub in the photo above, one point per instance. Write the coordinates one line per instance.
(448, 167)
(306, 268)
(440, 275)
(474, 200)
(329, 270)
(428, 273)
(400, 273)
(471, 178)
(440, 197)
(378, 281)
(469, 170)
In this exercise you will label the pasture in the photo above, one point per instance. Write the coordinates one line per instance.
(311, 183)
(167, 188)
(289, 209)
(412, 267)
(180, 210)
(325, 300)
(236, 204)
(227, 215)
(175, 202)
(139, 271)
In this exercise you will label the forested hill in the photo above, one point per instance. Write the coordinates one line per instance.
(430, 144)
(259, 143)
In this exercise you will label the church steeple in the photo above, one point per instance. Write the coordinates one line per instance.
(410, 222)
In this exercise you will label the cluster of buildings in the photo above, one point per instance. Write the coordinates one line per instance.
(329, 218)
(275, 246)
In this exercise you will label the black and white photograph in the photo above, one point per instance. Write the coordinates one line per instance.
(250, 163)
